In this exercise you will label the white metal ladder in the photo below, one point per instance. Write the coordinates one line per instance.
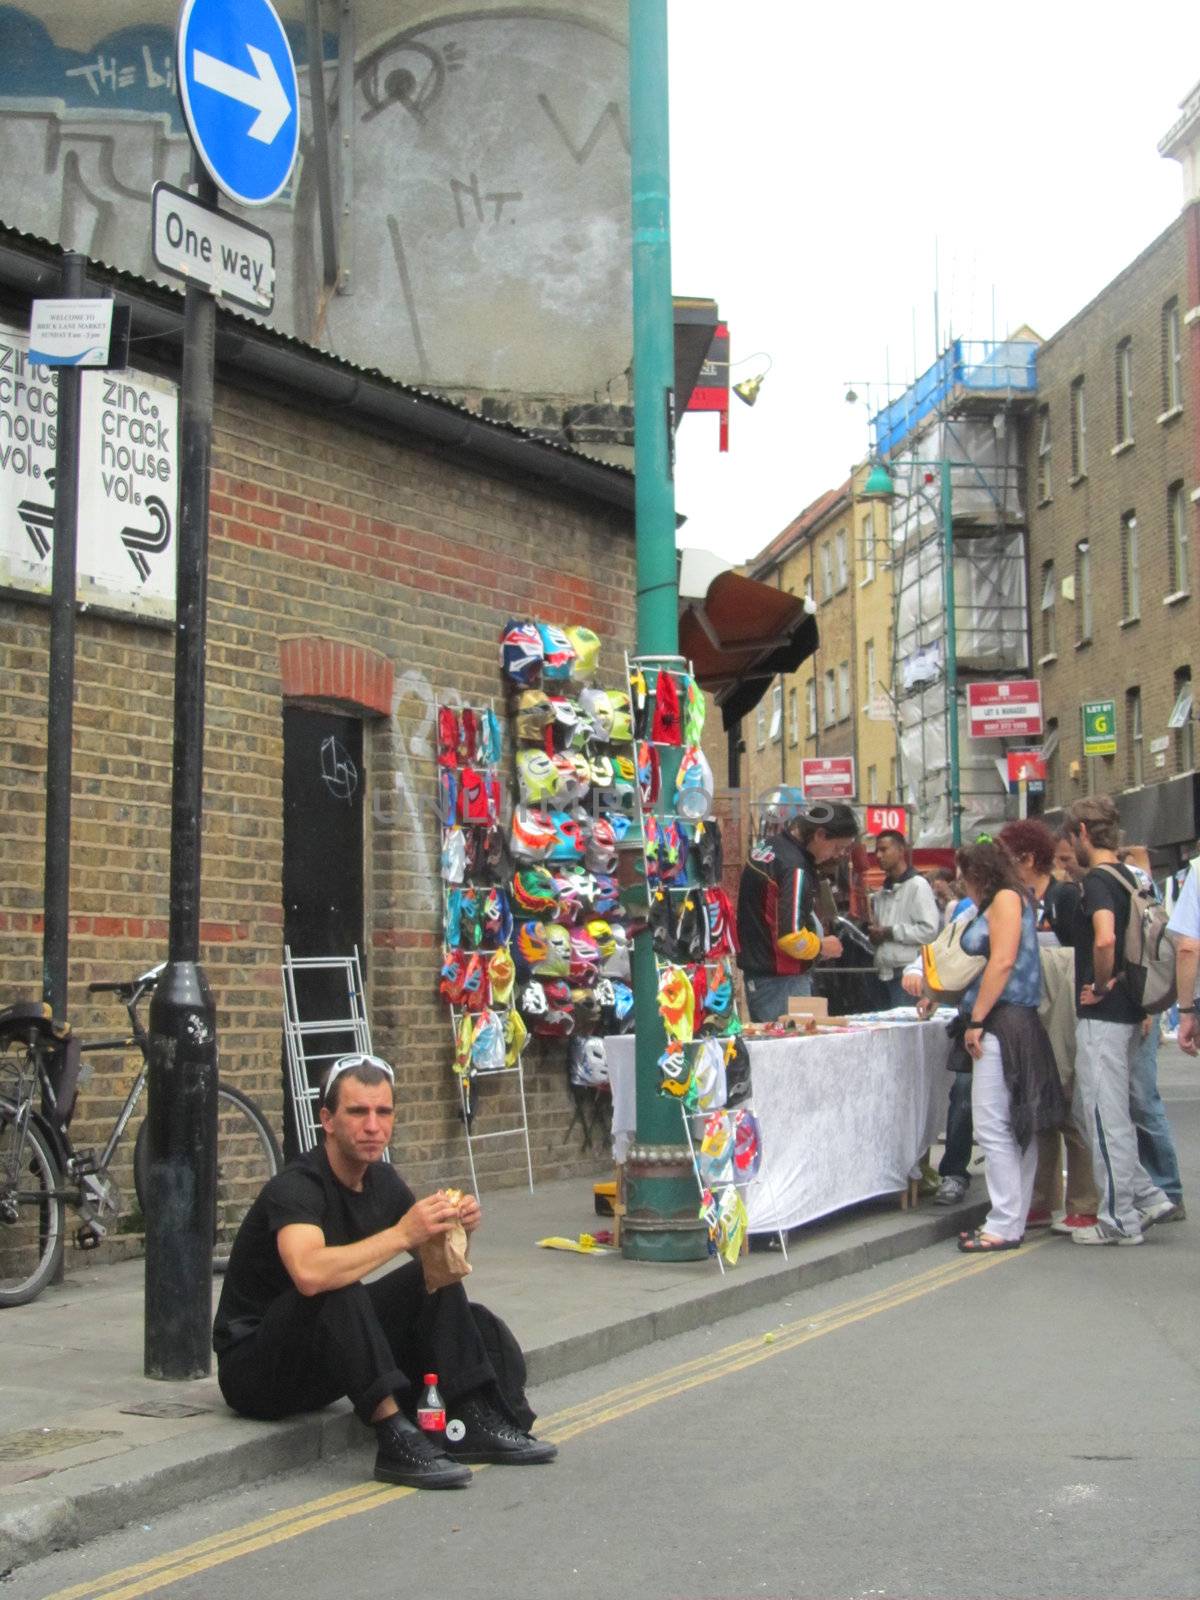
(331, 1036)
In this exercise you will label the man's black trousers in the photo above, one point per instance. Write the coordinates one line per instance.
(368, 1341)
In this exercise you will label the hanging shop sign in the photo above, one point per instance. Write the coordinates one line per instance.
(1011, 709)
(827, 777)
(1099, 727)
(128, 483)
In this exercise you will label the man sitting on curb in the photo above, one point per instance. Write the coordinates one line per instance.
(297, 1327)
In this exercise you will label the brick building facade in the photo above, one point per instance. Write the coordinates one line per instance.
(1112, 546)
(358, 566)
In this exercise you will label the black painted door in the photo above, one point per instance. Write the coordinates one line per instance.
(322, 862)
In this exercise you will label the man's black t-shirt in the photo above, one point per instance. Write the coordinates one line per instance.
(305, 1191)
(1102, 893)
(1059, 910)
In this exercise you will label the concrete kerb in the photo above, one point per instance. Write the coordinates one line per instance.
(731, 1296)
(93, 1499)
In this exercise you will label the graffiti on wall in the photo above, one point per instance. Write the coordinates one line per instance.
(481, 184)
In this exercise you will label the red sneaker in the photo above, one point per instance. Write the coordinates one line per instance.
(1073, 1220)
(1038, 1219)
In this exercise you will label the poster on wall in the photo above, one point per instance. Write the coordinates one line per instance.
(128, 483)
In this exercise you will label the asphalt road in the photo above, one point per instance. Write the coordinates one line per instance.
(1022, 1425)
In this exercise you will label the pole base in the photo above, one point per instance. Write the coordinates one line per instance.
(660, 1221)
(181, 1127)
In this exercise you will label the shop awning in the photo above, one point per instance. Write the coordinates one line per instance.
(742, 635)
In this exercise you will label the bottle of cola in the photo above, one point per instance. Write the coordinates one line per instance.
(431, 1409)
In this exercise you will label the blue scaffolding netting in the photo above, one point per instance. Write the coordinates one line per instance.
(966, 364)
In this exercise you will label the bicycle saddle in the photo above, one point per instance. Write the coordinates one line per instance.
(37, 1012)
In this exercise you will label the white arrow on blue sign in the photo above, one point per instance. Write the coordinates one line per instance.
(241, 101)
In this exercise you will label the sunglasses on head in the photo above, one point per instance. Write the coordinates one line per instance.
(351, 1063)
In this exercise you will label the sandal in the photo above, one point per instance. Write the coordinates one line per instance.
(976, 1244)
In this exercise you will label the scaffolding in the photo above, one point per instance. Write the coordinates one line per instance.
(952, 447)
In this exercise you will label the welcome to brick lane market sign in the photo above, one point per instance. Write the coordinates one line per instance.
(128, 483)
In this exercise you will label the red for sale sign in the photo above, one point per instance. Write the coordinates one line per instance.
(1011, 709)
(827, 777)
(886, 819)
(1026, 766)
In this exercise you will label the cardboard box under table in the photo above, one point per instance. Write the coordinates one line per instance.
(844, 1116)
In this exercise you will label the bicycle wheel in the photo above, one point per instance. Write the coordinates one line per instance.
(247, 1155)
(31, 1210)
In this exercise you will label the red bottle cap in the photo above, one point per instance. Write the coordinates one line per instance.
(430, 1377)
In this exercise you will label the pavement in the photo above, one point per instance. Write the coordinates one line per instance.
(89, 1444)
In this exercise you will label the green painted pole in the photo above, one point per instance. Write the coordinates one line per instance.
(951, 656)
(661, 1222)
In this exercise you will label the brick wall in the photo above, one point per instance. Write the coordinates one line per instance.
(1134, 478)
(317, 530)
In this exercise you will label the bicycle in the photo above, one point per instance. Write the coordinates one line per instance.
(42, 1172)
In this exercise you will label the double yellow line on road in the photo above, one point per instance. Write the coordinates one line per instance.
(147, 1577)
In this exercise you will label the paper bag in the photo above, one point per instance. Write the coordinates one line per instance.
(444, 1259)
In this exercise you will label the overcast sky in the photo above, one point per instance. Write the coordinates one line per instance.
(824, 158)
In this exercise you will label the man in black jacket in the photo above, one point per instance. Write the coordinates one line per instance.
(297, 1326)
(778, 928)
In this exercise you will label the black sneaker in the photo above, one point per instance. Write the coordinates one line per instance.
(484, 1436)
(406, 1456)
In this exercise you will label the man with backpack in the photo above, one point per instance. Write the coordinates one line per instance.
(1109, 995)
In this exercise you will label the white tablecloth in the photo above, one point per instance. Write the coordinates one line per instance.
(843, 1116)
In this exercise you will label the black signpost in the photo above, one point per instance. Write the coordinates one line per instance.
(61, 697)
(244, 130)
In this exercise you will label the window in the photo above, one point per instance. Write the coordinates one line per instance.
(1050, 753)
(1049, 597)
(1131, 583)
(776, 713)
(1135, 772)
(868, 549)
(872, 785)
(1182, 722)
(830, 699)
(808, 587)
(1177, 533)
(1043, 456)
(1078, 430)
(1083, 592)
(810, 707)
(843, 571)
(760, 724)
(827, 571)
(793, 717)
(843, 690)
(1125, 392)
(1172, 358)
(869, 669)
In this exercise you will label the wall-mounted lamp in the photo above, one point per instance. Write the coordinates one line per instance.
(748, 389)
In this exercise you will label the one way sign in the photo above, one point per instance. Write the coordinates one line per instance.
(241, 101)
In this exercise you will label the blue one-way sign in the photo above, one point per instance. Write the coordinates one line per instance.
(237, 82)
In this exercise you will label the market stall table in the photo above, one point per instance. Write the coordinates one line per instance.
(844, 1116)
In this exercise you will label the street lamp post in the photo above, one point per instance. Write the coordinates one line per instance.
(661, 1221)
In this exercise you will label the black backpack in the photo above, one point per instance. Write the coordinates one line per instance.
(508, 1363)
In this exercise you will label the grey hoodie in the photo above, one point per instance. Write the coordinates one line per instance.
(907, 906)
